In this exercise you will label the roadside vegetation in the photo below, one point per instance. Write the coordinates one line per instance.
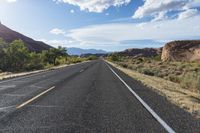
(187, 74)
(15, 57)
(179, 82)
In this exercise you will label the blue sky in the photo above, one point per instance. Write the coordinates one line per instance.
(111, 25)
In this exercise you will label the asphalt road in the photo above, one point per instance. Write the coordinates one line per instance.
(86, 97)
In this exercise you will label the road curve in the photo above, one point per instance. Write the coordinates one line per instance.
(86, 97)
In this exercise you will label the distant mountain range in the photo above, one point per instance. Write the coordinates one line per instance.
(79, 51)
(10, 35)
(145, 52)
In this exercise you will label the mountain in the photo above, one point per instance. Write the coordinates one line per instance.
(97, 55)
(79, 51)
(145, 52)
(188, 50)
(10, 35)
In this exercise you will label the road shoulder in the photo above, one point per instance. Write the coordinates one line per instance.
(9, 75)
(184, 99)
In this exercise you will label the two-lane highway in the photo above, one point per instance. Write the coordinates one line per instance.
(87, 97)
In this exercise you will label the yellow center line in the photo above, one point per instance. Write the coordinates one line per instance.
(32, 99)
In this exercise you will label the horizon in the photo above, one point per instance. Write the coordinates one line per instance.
(109, 25)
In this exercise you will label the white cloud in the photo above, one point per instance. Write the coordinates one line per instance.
(107, 14)
(188, 13)
(11, 1)
(152, 7)
(72, 11)
(158, 9)
(192, 4)
(95, 5)
(57, 31)
(64, 43)
(160, 16)
(115, 33)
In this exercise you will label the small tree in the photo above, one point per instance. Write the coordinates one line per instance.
(3, 46)
(114, 57)
(35, 61)
(92, 57)
(17, 55)
(52, 54)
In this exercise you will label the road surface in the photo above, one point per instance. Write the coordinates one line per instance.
(87, 97)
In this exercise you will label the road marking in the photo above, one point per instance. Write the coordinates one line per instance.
(5, 108)
(14, 95)
(3, 87)
(148, 108)
(81, 70)
(32, 99)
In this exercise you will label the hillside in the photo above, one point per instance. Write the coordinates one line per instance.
(79, 51)
(182, 51)
(10, 35)
(136, 52)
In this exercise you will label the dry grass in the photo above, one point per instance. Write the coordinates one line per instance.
(187, 74)
(185, 99)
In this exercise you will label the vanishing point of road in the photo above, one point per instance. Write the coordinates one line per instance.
(90, 97)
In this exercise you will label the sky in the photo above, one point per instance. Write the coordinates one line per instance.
(111, 25)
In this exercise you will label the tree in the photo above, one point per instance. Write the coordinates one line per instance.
(92, 57)
(35, 61)
(52, 54)
(3, 46)
(17, 55)
(113, 57)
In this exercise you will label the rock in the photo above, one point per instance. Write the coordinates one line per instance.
(181, 51)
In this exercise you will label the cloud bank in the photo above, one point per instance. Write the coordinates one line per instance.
(161, 9)
(116, 34)
(97, 6)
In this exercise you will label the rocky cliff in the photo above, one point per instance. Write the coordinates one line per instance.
(181, 51)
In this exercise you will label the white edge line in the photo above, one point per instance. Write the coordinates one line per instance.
(32, 99)
(153, 113)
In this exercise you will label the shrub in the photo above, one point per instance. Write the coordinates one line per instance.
(147, 71)
(157, 58)
(174, 78)
(191, 80)
(92, 57)
(114, 57)
(124, 65)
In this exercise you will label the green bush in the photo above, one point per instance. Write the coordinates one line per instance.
(124, 65)
(16, 57)
(92, 57)
(35, 62)
(113, 57)
(146, 71)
